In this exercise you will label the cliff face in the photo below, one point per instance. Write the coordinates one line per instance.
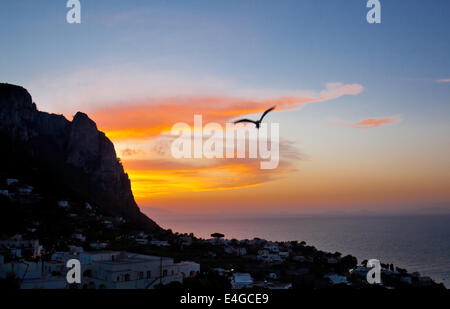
(75, 153)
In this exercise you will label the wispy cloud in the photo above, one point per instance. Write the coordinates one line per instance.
(148, 118)
(369, 123)
(136, 108)
(444, 80)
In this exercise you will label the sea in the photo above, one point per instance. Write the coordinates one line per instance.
(417, 243)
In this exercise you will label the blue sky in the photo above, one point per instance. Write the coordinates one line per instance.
(294, 44)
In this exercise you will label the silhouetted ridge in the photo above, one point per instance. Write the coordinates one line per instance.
(76, 154)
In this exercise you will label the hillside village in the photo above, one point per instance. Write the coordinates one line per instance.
(41, 232)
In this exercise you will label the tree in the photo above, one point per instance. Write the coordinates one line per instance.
(217, 235)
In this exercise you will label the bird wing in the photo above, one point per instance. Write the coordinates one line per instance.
(244, 120)
(266, 112)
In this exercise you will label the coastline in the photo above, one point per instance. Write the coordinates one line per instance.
(430, 260)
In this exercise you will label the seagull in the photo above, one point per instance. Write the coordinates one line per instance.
(258, 122)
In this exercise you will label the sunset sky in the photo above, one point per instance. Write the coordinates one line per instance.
(363, 109)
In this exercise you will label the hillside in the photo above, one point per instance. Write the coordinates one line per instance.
(62, 159)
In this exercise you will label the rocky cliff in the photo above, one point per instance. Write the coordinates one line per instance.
(75, 154)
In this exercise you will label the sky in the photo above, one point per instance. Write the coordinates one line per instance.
(363, 108)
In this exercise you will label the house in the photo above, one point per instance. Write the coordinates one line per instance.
(75, 249)
(263, 252)
(123, 270)
(220, 271)
(32, 275)
(98, 246)
(25, 190)
(268, 257)
(299, 258)
(186, 241)
(19, 247)
(241, 251)
(241, 281)
(108, 224)
(228, 250)
(332, 260)
(142, 235)
(141, 241)
(425, 281)
(278, 286)
(283, 254)
(336, 279)
(11, 181)
(272, 247)
(78, 236)
(275, 258)
(359, 272)
(63, 204)
(159, 243)
(406, 279)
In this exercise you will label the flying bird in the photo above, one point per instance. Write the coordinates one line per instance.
(257, 122)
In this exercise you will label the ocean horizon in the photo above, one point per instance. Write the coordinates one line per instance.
(417, 243)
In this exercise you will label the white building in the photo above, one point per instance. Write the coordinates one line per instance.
(121, 270)
(241, 281)
(25, 190)
(31, 275)
(17, 245)
(75, 249)
(336, 279)
(159, 243)
(63, 204)
(78, 236)
(241, 251)
(406, 279)
(108, 224)
(141, 241)
(98, 246)
(332, 260)
(283, 254)
(268, 257)
(272, 247)
(11, 181)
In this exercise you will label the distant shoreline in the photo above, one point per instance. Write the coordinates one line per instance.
(417, 243)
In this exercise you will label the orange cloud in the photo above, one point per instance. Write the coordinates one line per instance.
(148, 118)
(136, 127)
(444, 80)
(160, 177)
(369, 123)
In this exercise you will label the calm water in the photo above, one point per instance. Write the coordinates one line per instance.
(417, 243)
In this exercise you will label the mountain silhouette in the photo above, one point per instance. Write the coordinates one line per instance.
(74, 157)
